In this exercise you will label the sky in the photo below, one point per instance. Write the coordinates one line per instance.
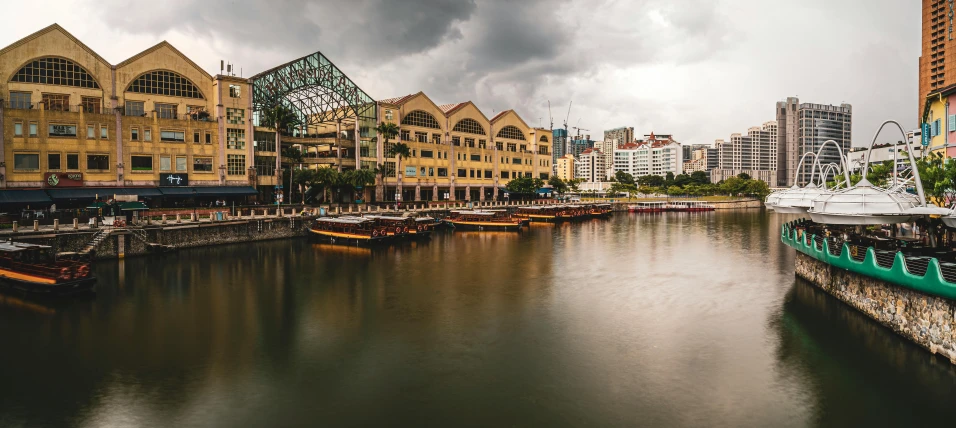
(698, 69)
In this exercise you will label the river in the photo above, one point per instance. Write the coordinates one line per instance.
(641, 320)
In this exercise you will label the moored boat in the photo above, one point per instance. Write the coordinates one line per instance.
(35, 268)
(350, 229)
(398, 227)
(648, 207)
(601, 210)
(484, 220)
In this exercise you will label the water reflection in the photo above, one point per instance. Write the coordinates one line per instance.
(641, 320)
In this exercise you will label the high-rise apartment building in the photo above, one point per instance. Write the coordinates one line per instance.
(560, 139)
(590, 166)
(805, 127)
(649, 157)
(579, 144)
(564, 167)
(753, 153)
(937, 33)
(623, 134)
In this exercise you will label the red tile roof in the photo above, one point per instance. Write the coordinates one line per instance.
(397, 100)
(450, 108)
(499, 115)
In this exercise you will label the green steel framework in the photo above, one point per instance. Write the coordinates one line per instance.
(317, 91)
(932, 282)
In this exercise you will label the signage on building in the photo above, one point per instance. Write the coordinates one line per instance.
(924, 134)
(62, 130)
(410, 171)
(63, 179)
(173, 179)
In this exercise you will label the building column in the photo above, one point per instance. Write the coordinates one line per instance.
(451, 188)
(481, 196)
(468, 193)
(118, 134)
(358, 144)
(435, 192)
(494, 161)
(418, 192)
(3, 163)
(338, 144)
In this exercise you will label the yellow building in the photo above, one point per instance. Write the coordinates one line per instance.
(458, 153)
(939, 122)
(71, 119)
(565, 167)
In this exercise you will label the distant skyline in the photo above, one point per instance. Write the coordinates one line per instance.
(698, 69)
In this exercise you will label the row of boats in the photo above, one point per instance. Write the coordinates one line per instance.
(678, 206)
(378, 228)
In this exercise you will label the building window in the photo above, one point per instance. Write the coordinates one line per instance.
(265, 165)
(428, 154)
(421, 118)
(55, 71)
(147, 134)
(141, 163)
(72, 161)
(98, 162)
(421, 137)
(504, 174)
(181, 163)
(134, 134)
(511, 132)
(196, 137)
(161, 82)
(235, 138)
(405, 135)
(26, 162)
(544, 139)
(165, 111)
(104, 132)
(164, 163)
(56, 130)
(462, 173)
(236, 116)
(20, 100)
(443, 172)
(204, 164)
(208, 138)
(456, 141)
(487, 174)
(235, 91)
(471, 173)
(476, 158)
(53, 161)
(135, 108)
(56, 102)
(388, 115)
(236, 164)
(499, 146)
(264, 142)
(90, 131)
(516, 161)
(469, 126)
(91, 104)
(482, 144)
(470, 142)
(436, 138)
(175, 136)
(18, 129)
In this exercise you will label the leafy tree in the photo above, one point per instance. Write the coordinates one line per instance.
(645, 190)
(278, 118)
(573, 184)
(623, 177)
(699, 177)
(559, 185)
(387, 130)
(359, 179)
(669, 178)
(650, 180)
(757, 188)
(743, 176)
(675, 190)
(682, 180)
(937, 176)
(879, 173)
(325, 178)
(524, 185)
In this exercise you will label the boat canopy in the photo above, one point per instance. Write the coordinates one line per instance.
(344, 220)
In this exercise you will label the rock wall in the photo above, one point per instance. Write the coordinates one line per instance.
(926, 320)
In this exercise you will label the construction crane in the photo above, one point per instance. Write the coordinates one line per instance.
(550, 118)
(578, 130)
(568, 117)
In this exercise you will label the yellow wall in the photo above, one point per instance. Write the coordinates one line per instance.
(937, 110)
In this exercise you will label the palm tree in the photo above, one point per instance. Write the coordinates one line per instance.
(360, 179)
(400, 151)
(326, 177)
(388, 130)
(278, 118)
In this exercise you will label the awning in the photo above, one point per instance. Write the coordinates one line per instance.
(132, 206)
(209, 191)
(545, 190)
(96, 205)
(24, 197)
(102, 192)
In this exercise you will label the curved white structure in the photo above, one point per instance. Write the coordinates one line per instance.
(798, 201)
(867, 204)
(774, 198)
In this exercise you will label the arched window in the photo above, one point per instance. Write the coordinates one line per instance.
(469, 126)
(511, 132)
(544, 139)
(161, 82)
(55, 71)
(421, 118)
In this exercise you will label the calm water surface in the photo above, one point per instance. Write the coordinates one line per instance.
(641, 320)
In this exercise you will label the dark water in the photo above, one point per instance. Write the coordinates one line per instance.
(664, 320)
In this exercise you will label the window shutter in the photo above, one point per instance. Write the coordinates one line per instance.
(952, 123)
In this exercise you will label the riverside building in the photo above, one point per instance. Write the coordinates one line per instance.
(651, 156)
(804, 127)
(74, 126)
(753, 153)
(565, 167)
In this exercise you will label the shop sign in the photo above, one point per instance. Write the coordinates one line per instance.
(167, 179)
(63, 179)
(410, 171)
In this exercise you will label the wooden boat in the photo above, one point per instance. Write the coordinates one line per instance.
(648, 207)
(424, 227)
(484, 220)
(350, 229)
(572, 212)
(37, 269)
(690, 206)
(546, 214)
(395, 226)
(600, 210)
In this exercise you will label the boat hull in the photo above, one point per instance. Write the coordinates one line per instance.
(476, 225)
(341, 237)
(66, 288)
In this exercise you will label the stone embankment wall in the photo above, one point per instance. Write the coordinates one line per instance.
(132, 243)
(928, 321)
